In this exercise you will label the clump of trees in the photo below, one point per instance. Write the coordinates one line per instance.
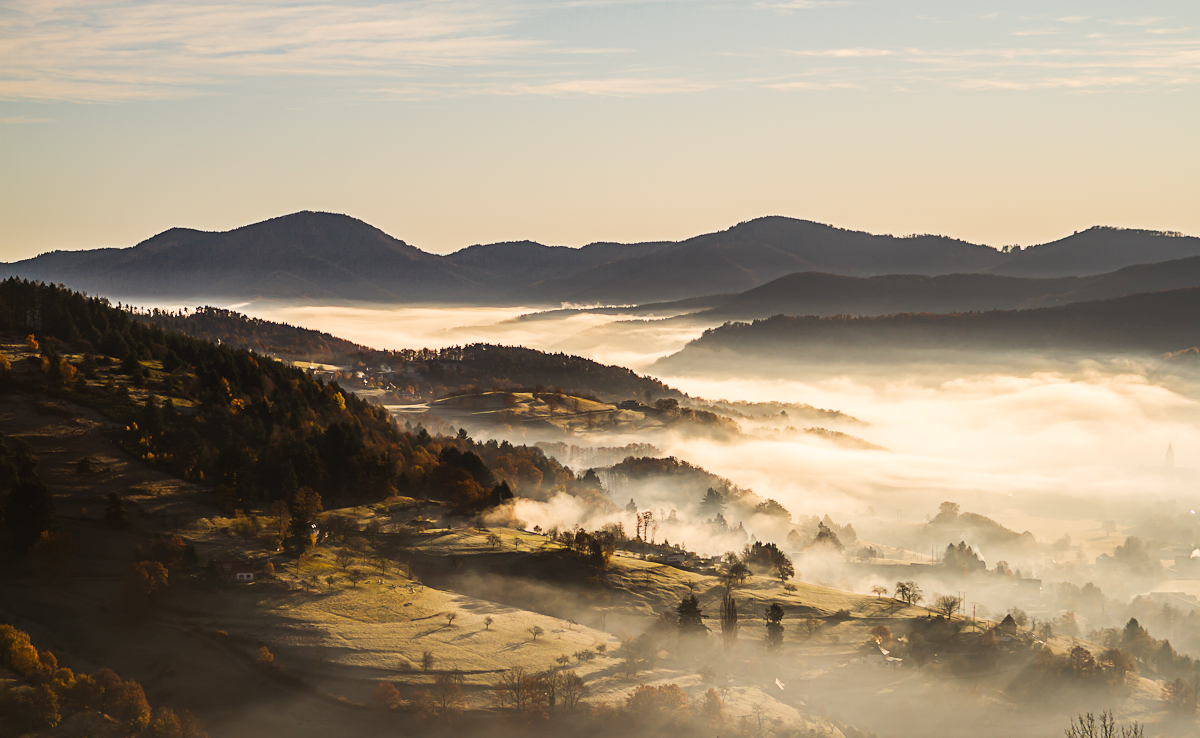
(1050, 671)
(596, 548)
(46, 694)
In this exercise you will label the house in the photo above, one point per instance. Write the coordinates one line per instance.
(880, 656)
(235, 571)
(1008, 626)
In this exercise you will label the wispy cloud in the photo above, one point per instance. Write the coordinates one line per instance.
(13, 120)
(122, 50)
(1096, 63)
(615, 87)
(802, 4)
(841, 53)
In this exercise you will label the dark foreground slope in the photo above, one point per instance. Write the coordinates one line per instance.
(335, 258)
(1154, 322)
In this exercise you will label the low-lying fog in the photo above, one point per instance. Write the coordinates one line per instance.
(1056, 449)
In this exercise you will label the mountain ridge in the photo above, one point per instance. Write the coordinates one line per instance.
(336, 258)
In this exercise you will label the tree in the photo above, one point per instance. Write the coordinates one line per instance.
(1086, 726)
(827, 538)
(735, 572)
(879, 591)
(774, 618)
(712, 710)
(662, 701)
(343, 558)
(114, 512)
(908, 592)
(729, 621)
(303, 506)
(494, 541)
(487, 622)
(426, 661)
(265, 658)
(571, 689)
(356, 576)
(512, 689)
(712, 504)
(386, 696)
(773, 509)
(127, 703)
(784, 568)
(946, 604)
(145, 578)
(691, 621)
(535, 631)
(447, 696)
(1180, 697)
(450, 616)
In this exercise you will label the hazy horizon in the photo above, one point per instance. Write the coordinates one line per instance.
(448, 124)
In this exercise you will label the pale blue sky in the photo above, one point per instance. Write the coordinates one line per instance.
(450, 123)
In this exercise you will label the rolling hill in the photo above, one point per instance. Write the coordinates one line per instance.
(1154, 322)
(331, 258)
(818, 293)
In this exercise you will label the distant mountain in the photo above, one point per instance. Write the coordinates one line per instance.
(335, 258)
(315, 256)
(1154, 322)
(1098, 250)
(817, 293)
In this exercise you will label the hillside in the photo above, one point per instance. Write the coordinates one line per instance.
(1154, 322)
(817, 293)
(234, 329)
(335, 258)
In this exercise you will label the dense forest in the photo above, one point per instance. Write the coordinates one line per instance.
(248, 426)
(487, 365)
(1154, 322)
(234, 329)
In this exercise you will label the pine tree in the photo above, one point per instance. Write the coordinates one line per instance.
(774, 616)
(712, 505)
(691, 620)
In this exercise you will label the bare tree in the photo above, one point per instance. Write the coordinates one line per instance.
(426, 661)
(879, 590)
(809, 626)
(535, 631)
(511, 689)
(571, 689)
(1086, 726)
(343, 558)
(356, 576)
(487, 622)
(450, 616)
(946, 604)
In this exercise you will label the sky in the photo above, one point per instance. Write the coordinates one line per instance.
(449, 123)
